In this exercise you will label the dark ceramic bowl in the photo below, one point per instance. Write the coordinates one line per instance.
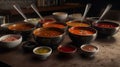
(51, 37)
(82, 35)
(106, 28)
(88, 50)
(28, 46)
(23, 28)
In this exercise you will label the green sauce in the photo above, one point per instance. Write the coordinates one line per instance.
(42, 50)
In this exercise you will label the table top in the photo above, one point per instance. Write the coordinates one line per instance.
(108, 56)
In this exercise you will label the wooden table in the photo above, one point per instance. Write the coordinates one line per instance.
(108, 56)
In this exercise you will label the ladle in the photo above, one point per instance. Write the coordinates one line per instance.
(20, 11)
(105, 11)
(36, 10)
(86, 11)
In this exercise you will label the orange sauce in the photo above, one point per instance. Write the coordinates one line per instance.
(79, 31)
(21, 26)
(77, 23)
(47, 33)
(56, 25)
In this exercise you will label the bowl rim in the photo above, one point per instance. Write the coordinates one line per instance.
(72, 21)
(83, 27)
(54, 13)
(107, 21)
(75, 49)
(54, 23)
(22, 23)
(5, 36)
(62, 34)
(42, 53)
(97, 48)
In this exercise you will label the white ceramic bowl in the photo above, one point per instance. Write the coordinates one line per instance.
(60, 16)
(89, 50)
(10, 44)
(33, 20)
(42, 56)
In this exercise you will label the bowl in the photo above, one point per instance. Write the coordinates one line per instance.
(46, 20)
(66, 49)
(28, 46)
(33, 20)
(10, 40)
(76, 23)
(42, 52)
(51, 37)
(88, 50)
(75, 16)
(106, 28)
(82, 35)
(60, 16)
(23, 28)
(55, 24)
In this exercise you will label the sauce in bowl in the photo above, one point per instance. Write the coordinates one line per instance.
(11, 38)
(47, 32)
(42, 50)
(106, 25)
(77, 23)
(89, 48)
(66, 49)
(81, 31)
(54, 24)
(21, 26)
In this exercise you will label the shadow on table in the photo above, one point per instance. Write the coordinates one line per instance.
(108, 40)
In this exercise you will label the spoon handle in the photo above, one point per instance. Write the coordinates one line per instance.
(105, 11)
(36, 10)
(86, 11)
(20, 11)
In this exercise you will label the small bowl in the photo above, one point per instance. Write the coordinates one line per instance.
(42, 52)
(10, 40)
(28, 46)
(82, 35)
(66, 49)
(76, 23)
(33, 20)
(60, 16)
(106, 28)
(55, 24)
(89, 50)
(51, 37)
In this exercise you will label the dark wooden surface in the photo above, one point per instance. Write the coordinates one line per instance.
(108, 56)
